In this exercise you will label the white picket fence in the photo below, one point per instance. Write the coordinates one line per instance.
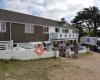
(27, 54)
(25, 51)
(22, 51)
(6, 45)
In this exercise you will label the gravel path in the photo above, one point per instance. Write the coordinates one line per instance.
(84, 68)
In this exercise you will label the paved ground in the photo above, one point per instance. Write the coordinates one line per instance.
(84, 68)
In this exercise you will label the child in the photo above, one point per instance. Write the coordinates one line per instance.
(68, 50)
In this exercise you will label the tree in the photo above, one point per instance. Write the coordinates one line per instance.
(88, 20)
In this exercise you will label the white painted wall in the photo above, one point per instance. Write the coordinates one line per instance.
(67, 37)
(57, 35)
(70, 31)
(51, 29)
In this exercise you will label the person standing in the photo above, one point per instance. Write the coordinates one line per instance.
(62, 48)
(76, 49)
(55, 48)
(62, 44)
(68, 49)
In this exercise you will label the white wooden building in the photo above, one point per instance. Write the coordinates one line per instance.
(63, 33)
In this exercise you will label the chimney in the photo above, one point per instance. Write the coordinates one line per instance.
(63, 20)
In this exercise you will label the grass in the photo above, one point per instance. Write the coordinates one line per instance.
(41, 69)
(36, 69)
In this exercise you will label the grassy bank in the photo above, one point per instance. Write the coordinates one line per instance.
(35, 70)
(41, 69)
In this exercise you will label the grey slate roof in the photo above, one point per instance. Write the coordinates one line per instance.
(25, 18)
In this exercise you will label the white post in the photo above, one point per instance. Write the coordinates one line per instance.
(11, 42)
(6, 46)
(11, 47)
(10, 30)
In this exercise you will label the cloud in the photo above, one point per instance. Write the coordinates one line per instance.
(52, 9)
(57, 9)
(22, 6)
(97, 3)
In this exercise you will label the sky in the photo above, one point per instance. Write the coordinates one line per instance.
(51, 9)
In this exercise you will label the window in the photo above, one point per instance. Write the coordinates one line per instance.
(29, 28)
(2, 26)
(64, 30)
(57, 30)
(45, 29)
(75, 31)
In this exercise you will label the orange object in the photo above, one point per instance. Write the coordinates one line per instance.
(39, 51)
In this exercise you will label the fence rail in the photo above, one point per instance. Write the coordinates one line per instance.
(6, 45)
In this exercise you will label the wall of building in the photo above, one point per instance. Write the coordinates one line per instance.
(51, 29)
(60, 35)
(18, 34)
(5, 36)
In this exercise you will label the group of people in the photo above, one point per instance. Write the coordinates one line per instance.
(68, 50)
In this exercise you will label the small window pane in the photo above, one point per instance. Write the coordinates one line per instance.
(29, 28)
(32, 29)
(2, 26)
(64, 30)
(75, 31)
(45, 29)
(57, 30)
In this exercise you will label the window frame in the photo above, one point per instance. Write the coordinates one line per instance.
(75, 31)
(56, 30)
(29, 28)
(65, 30)
(47, 29)
(2, 22)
